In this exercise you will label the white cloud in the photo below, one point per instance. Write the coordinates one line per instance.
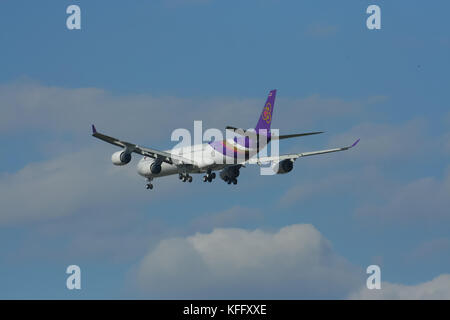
(426, 199)
(344, 182)
(438, 288)
(381, 142)
(33, 106)
(423, 199)
(294, 262)
(27, 105)
(81, 180)
(380, 194)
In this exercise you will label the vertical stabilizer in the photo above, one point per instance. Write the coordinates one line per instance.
(266, 115)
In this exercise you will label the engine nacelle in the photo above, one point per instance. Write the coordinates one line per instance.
(149, 167)
(121, 158)
(155, 168)
(283, 166)
(229, 173)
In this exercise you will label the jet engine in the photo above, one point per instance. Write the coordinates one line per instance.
(155, 167)
(121, 158)
(283, 166)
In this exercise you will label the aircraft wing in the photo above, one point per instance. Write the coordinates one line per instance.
(295, 156)
(153, 153)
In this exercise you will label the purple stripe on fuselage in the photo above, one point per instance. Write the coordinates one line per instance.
(253, 146)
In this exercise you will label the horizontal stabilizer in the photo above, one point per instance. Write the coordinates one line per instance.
(287, 136)
(235, 129)
(272, 137)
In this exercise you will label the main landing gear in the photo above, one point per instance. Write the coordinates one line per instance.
(230, 180)
(185, 177)
(209, 176)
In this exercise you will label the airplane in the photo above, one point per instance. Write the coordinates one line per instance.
(227, 156)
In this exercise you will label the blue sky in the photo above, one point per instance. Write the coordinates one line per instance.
(141, 69)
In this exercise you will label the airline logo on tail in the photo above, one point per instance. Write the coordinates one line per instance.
(267, 115)
(265, 118)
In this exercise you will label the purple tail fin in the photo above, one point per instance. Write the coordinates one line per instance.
(266, 115)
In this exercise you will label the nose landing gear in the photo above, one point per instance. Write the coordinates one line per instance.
(149, 184)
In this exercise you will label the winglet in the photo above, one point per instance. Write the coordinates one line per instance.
(94, 131)
(355, 143)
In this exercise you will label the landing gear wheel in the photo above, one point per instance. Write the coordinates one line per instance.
(180, 176)
(190, 179)
(209, 176)
(149, 186)
(229, 181)
(234, 181)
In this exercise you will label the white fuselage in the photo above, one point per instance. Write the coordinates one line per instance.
(202, 154)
